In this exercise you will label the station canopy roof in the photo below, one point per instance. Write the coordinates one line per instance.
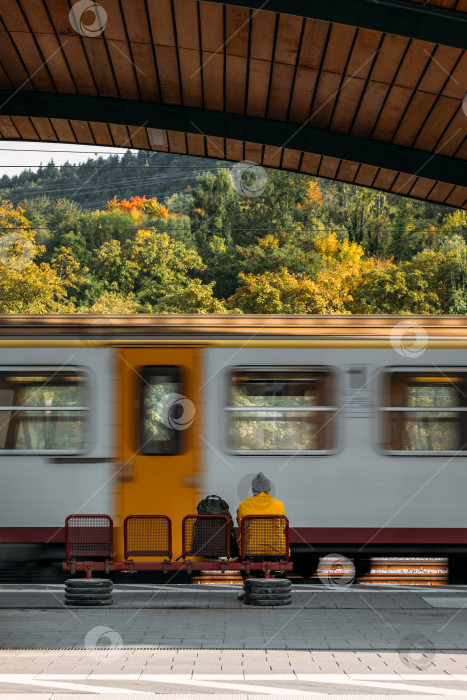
(362, 91)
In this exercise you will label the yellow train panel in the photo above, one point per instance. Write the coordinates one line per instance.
(164, 484)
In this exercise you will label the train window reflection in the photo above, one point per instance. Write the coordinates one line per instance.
(43, 411)
(280, 411)
(425, 413)
(163, 407)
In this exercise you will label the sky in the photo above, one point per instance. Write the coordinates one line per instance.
(16, 156)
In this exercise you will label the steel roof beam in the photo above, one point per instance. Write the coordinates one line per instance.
(232, 126)
(401, 17)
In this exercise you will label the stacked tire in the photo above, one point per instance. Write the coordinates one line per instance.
(267, 592)
(88, 591)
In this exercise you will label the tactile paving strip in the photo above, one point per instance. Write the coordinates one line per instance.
(218, 647)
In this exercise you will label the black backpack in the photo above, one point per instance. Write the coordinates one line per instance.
(203, 541)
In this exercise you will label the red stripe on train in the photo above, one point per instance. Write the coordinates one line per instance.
(374, 535)
(45, 535)
(317, 535)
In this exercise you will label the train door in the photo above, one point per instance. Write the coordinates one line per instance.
(159, 417)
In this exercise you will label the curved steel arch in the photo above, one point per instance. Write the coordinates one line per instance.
(409, 19)
(228, 126)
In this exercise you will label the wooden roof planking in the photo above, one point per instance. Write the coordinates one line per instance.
(335, 96)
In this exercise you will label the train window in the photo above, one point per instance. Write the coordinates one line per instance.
(163, 409)
(426, 412)
(281, 411)
(43, 411)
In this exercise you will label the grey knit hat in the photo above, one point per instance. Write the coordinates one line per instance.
(261, 484)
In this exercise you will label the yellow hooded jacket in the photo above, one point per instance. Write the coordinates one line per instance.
(263, 544)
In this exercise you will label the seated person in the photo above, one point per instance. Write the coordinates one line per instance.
(208, 537)
(265, 539)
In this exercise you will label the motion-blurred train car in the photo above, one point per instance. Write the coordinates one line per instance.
(359, 422)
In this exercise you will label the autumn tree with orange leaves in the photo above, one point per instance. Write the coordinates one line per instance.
(139, 207)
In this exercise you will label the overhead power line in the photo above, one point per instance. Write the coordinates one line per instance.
(103, 185)
(118, 165)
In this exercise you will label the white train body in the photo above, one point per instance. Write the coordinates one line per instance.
(357, 488)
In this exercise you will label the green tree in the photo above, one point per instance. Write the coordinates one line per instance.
(26, 286)
(154, 270)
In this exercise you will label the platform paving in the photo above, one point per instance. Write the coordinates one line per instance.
(200, 641)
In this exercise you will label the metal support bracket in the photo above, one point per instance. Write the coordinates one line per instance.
(131, 567)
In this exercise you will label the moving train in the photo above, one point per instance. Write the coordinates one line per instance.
(359, 422)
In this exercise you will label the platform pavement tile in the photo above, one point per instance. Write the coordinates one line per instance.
(186, 662)
(254, 663)
(247, 667)
(227, 664)
(297, 656)
(223, 669)
(312, 661)
(375, 664)
(355, 668)
(207, 664)
(237, 660)
(77, 668)
(230, 657)
(158, 656)
(370, 637)
(124, 669)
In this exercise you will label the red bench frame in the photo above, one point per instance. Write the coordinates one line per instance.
(249, 518)
(148, 553)
(129, 566)
(187, 518)
(93, 516)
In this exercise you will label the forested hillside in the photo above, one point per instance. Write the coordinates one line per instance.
(92, 183)
(170, 240)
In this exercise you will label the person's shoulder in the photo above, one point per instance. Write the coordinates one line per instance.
(278, 502)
